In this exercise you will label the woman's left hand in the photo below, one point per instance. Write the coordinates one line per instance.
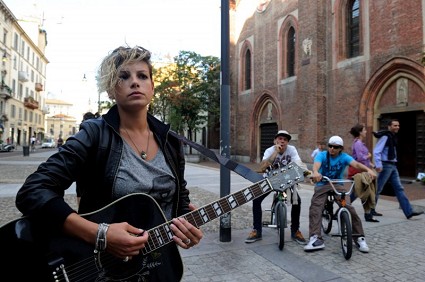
(185, 234)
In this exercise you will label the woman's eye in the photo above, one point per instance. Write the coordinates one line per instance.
(124, 76)
(142, 76)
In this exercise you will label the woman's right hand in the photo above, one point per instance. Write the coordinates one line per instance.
(125, 240)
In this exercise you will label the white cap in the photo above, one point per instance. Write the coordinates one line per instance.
(283, 133)
(336, 140)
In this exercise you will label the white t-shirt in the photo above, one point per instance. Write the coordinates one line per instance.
(315, 152)
(290, 155)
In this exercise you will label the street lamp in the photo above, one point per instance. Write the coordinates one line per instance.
(98, 95)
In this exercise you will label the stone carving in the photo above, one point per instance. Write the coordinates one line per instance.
(307, 43)
(402, 92)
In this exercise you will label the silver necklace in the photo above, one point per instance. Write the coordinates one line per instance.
(143, 154)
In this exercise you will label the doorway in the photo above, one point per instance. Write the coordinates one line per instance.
(267, 133)
(410, 141)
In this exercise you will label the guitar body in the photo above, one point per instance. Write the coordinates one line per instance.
(32, 255)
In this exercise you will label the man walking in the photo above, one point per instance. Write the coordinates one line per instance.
(385, 154)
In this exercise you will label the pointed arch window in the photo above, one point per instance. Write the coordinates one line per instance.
(290, 52)
(247, 70)
(353, 29)
(288, 48)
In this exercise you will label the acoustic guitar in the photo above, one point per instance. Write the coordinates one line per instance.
(31, 252)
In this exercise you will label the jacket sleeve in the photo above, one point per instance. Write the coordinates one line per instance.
(42, 193)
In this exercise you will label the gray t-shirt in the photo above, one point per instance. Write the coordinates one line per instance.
(153, 177)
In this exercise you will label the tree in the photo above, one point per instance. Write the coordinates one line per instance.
(187, 92)
(165, 88)
(198, 79)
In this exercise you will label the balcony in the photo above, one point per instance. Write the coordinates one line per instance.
(23, 76)
(39, 87)
(5, 91)
(30, 103)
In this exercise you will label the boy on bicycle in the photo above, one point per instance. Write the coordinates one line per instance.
(278, 155)
(332, 163)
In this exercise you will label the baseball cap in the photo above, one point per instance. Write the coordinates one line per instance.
(283, 133)
(336, 140)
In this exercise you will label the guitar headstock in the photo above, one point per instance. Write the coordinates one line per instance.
(284, 177)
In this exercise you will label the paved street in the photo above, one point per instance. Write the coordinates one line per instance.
(397, 245)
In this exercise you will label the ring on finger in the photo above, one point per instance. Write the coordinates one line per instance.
(187, 241)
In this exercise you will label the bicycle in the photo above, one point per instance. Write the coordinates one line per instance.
(278, 210)
(278, 215)
(341, 215)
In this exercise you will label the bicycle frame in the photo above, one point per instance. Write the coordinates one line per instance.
(341, 202)
(343, 215)
(279, 196)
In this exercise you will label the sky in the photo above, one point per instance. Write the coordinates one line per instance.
(80, 33)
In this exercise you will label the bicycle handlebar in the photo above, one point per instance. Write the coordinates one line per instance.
(332, 181)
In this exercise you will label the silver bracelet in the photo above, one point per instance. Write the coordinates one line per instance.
(101, 237)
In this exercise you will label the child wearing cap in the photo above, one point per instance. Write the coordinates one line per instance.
(332, 163)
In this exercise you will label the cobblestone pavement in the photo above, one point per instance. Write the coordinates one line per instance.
(397, 245)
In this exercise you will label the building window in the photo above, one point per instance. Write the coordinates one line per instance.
(290, 52)
(13, 111)
(287, 48)
(247, 70)
(4, 36)
(353, 29)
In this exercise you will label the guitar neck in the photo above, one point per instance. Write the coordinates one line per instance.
(278, 179)
(162, 235)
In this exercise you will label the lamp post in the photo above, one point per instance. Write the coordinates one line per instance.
(98, 95)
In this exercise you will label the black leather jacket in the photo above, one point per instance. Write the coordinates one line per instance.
(92, 157)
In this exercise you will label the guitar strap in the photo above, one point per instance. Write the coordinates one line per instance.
(240, 169)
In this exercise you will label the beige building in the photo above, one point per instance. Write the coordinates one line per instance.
(59, 122)
(23, 79)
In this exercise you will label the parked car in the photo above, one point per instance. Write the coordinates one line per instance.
(7, 147)
(48, 143)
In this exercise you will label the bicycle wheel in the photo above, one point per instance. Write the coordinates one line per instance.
(346, 234)
(327, 215)
(281, 223)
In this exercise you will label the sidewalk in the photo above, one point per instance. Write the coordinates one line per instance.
(396, 244)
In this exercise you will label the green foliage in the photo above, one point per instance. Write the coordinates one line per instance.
(187, 92)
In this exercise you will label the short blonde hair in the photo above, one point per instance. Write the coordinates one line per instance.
(111, 65)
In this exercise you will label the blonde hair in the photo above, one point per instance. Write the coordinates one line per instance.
(111, 65)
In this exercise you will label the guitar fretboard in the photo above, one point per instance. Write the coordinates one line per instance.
(162, 234)
(279, 179)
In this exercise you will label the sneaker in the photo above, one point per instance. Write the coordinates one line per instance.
(315, 243)
(361, 244)
(253, 236)
(298, 237)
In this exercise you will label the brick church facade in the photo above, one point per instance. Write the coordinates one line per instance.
(316, 68)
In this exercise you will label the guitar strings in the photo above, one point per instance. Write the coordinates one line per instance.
(153, 241)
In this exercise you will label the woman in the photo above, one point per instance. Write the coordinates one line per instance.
(126, 151)
(361, 153)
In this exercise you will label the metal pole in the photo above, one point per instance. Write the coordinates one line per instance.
(225, 220)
